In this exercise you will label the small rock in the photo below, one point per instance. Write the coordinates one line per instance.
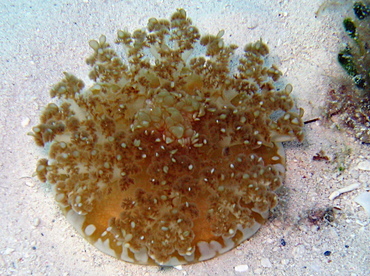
(364, 165)
(266, 262)
(354, 173)
(36, 222)
(25, 122)
(8, 251)
(258, 271)
(363, 178)
(283, 14)
(364, 200)
(241, 268)
(268, 241)
(29, 183)
(239, 252)
(283, 242)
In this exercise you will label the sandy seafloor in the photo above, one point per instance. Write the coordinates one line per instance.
(41, 39)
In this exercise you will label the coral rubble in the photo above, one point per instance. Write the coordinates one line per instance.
(350, 106)
(171, 158)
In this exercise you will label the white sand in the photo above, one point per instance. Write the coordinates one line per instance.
(38, 41)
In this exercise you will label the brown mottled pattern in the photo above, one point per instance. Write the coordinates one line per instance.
(172, 161)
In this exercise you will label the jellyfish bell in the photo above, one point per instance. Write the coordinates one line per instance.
(173, 161)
